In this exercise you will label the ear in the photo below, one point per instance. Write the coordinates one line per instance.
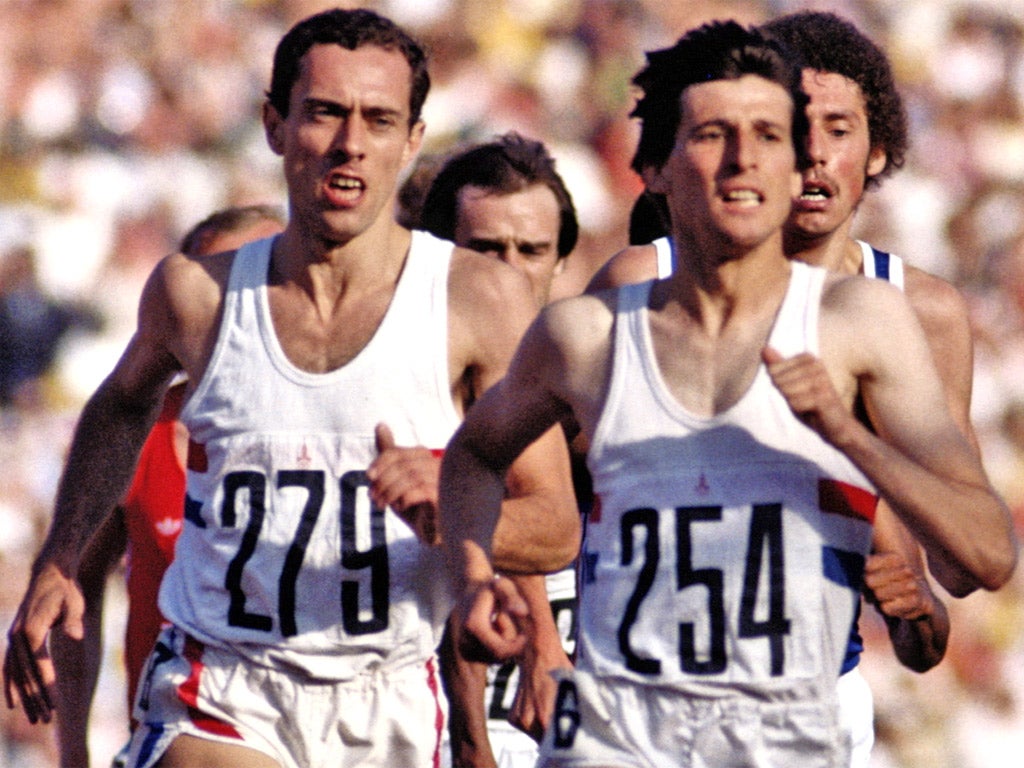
(877, 160)
(560, 265)
(413, 143)
(273, 127)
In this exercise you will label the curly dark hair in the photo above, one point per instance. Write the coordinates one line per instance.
(510, 163)
(351, 29)
(719, 50)
(828, 43)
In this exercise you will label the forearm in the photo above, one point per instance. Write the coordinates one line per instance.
(470, 498)
(465, 684)
(100, 465)
(536, 535)
(939, 509)
(538, 530)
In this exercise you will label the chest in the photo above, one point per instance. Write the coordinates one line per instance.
(707, 374)
(317, 338)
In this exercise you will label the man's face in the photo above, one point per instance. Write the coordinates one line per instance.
(731, 177)
(520, 228)
(346, 138)
(839, 148)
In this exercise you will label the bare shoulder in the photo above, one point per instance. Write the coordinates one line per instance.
(862, 321)
(181, 306)
(938, 304)
(634, 264)
(860, 299)
(487, 299)
(580, 321)
(474, 278)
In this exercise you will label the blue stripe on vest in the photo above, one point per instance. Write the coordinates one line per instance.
(193, 512)
(881, 264)
(843, 568)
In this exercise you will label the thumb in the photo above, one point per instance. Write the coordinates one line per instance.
(770, 355)
(74, 612)
(384, 438)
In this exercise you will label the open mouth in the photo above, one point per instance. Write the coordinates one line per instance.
(816, 192)
(344, 189)
(743, 197)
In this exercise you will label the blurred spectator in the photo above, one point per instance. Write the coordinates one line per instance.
(32, 326)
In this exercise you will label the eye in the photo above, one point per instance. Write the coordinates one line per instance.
(708, 134)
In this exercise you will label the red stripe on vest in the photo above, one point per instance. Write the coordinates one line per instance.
(847, 500)
(188, 692)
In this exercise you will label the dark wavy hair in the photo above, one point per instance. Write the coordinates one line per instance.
(350, 29)
(719, 50)
(829, 43)
(508, 164)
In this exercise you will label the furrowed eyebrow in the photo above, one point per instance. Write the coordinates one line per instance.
(482, 244)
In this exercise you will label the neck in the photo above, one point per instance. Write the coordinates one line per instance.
(836, 251)
(316, 263)
(714, 291)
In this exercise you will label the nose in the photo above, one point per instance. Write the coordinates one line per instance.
(815, 146)
(350, 137)
(510, 255)
(744, 149)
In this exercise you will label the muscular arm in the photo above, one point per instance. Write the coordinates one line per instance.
(942, 313)
(895, 576)
(107, 441)
(558, 373)
(921, 464)
(538, 530)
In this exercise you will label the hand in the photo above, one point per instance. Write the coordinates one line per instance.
(535, 696)
(895, 589)
(29, 676)
(494, 617)
(406, 479)
(805, 384)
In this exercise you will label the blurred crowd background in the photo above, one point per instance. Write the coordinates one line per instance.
(123, 122)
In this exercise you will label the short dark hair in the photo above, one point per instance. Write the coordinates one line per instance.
(827, 43)
(228, 220)
(510, 163)
(719, 50)
(649, 218)
(350, 29)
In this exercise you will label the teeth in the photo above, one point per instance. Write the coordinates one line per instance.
(814, 194)
(743, 195)
(346, 184)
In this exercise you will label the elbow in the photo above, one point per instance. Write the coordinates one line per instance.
(992, 568)
(561, 555)
(1001, 569)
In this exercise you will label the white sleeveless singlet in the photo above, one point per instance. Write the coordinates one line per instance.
(282, 557)
(881, 265)
(726, 552)
(663, 251)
